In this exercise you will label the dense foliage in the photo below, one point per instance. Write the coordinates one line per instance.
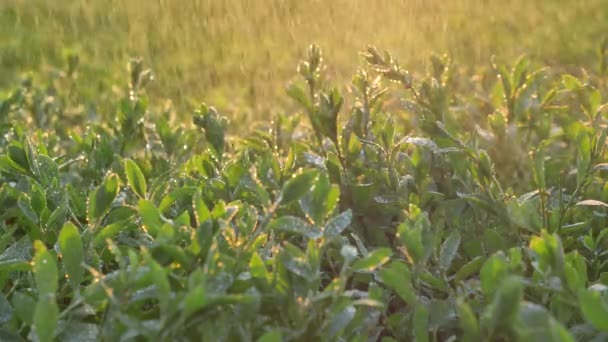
(447, 207)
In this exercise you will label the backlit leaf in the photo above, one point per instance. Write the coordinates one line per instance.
(45, 271)
(136, 178)
(72, 253)
(373, 260)
(297, 187)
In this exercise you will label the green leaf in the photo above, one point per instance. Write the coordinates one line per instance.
(38, 199)
(150, 216)
(575, 271)
(100, 199)
(272, 336)
(179, 194)
(411, 236)
(493, 272)
(214, 125)
(421, 322)
(257, 267)
(7, 266)
(57, 218)
(25, 204)
(136, 178)
(163, 287)
(583, 157)
(549, 252)
(16, 257)
(77, 199)
(398, 278)
(295, 261)
(297, 186)
(571, 82)
(45, 271)
(295, 225)
(25, 307)
(534, 323)
(32, 158)
(297, 93)
(200, 208)
(434, 282)
(493, 241)
(18, 159)
(10, 166)
(72, 253)
(594, 308)
(340, 320)
(196, 299)
(49, 171)
(336, 225)
(524, 213)
(46, 317)
(505, 305)
(468, 321)
(112, 230)
(315, 203)
(469, 268)
(506, 80)
(205, 237)
(520, 71)
(373, 260)
(449, 249)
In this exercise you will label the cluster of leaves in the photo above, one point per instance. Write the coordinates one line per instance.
(471, 209)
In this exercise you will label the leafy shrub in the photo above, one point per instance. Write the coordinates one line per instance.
(469, 209)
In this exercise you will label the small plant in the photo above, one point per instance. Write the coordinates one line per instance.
(472, 212)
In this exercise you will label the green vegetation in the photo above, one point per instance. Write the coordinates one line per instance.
(455, 202)
(240, 54)
(478, 213)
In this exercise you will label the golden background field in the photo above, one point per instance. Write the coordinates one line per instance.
(239, 54)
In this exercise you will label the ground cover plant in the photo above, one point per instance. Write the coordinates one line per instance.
(438, 208)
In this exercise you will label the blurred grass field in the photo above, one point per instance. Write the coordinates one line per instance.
(240, 54)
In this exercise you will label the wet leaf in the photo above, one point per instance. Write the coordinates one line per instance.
(72, 253)
(449, 250)
(296, 225)
(136, 178)
(373, 260)
(297, 187)
(45, 271)
(398, 278)
(336, 225)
